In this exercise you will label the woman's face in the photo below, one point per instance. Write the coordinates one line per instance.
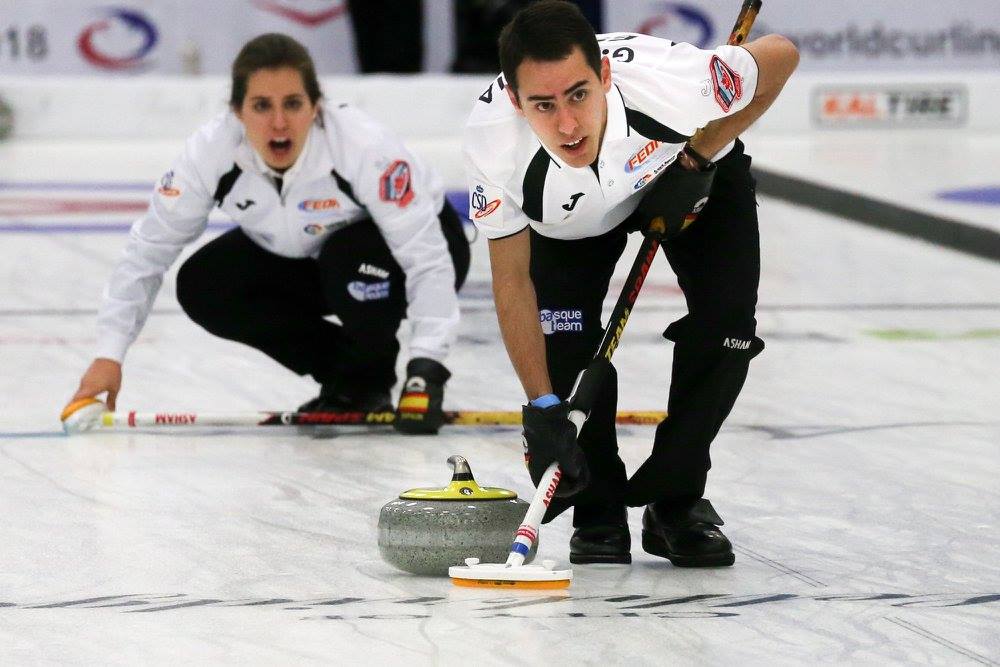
(277, 114)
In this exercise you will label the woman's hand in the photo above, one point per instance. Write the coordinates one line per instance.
(103, 375)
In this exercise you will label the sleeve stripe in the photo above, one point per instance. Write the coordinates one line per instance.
(226, 184)
(652, 129)
(534, 185)
(345, 187)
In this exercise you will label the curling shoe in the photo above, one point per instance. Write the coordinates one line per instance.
(602, 541)
(687, 536)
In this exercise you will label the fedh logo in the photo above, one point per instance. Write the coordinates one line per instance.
(309, 13)
(318, 205)
(635, 162)
(680, 23)
(120, 40)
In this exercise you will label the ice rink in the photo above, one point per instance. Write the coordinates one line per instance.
(859, 474)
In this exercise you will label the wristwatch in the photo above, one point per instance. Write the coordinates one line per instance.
(699, 159)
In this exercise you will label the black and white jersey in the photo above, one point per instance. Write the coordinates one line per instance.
(350, 169)
(661, 93)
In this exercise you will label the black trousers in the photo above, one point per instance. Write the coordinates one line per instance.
(388, 34)
(237, 290)
(717, 262)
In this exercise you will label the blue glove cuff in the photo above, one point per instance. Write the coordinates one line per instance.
(546, 401)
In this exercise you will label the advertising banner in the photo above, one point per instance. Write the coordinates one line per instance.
(890, 106)
(96, 37)
(860, 35)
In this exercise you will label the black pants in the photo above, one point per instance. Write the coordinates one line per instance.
(237, 290)
(717, 262)
(388, 35)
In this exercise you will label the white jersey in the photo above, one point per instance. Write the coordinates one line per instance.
(661, 93)
(351, 168)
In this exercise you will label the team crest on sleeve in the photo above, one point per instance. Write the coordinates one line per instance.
(483, 201)
(727, 83)
(395, 184)
(167, 187)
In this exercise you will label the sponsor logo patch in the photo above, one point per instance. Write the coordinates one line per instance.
(642, 182)
(736, 344)
(557, 321)
(573, 199)
(314, 229)
(170, 418)
(312, 205)
(395, 185)
(479, 204)
(635, 162)
(167, 188)
(362, 291)
(728, 85)
(650, 175)
(372, 270)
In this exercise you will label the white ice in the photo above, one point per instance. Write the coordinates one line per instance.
(858, 474)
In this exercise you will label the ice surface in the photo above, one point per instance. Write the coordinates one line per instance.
(858, 474)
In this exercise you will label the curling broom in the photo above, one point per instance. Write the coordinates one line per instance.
(87, 414)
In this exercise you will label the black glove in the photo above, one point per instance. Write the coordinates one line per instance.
(420, 401)
(550, 436)
(675, 200)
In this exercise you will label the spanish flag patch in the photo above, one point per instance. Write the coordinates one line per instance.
(414, 402)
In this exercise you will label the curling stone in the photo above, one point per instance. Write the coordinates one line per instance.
(425, 531)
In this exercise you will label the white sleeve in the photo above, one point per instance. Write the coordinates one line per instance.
(685, 87)
(721, 81)
(177, 215)
(491, 208)
(404, 200)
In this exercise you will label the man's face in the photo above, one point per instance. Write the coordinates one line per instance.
(277, 114)
(563, 102)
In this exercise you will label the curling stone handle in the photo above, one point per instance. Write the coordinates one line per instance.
(460, 468)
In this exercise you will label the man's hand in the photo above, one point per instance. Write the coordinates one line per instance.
(550, 436)
(676, 198)
(103, 375)
(420, 403)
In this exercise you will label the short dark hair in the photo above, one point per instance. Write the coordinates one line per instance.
(547, 30)
(272, 51)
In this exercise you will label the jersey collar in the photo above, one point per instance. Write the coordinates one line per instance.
(616, 127)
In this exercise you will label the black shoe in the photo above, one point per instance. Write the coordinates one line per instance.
(332, 399)
(600, 536)
(601, 544)
(688, 536)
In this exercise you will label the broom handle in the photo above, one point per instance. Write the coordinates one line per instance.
(135, 419)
